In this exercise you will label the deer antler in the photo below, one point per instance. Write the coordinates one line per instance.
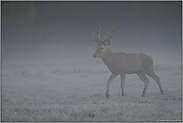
(111, 34)
(97, 39)
(108, 40)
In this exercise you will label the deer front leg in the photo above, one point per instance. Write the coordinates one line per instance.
(112, 77)
(122, 83)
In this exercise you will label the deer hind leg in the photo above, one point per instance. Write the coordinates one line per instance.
(156, 79)
(112, 77)
(143, 77)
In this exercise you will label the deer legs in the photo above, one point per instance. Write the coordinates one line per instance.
(143, 77)
(156, 79)
(122, 83)
(112, 77)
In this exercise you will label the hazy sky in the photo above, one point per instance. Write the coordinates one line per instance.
(138, 24)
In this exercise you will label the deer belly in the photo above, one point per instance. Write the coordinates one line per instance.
(116, 70)
(132, 68)
(124, 69)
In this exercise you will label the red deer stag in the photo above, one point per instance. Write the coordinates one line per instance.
(122, 63)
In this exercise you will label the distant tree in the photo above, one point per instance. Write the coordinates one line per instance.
(17, 20)
(18, 12)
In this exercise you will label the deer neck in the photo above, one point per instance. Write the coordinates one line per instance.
(107, 57)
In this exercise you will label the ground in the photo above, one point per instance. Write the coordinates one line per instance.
(71, 89)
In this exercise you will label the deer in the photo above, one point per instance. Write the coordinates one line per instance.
(122, 63)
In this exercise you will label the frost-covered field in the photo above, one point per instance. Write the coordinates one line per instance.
(52, 86)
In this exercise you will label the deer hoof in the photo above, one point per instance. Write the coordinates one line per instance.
(107, 95)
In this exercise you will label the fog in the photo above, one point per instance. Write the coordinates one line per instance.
(48, 45)
(153, 28)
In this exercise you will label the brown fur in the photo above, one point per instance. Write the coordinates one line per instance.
(122, 63)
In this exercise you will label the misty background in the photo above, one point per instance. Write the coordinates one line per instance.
(64, 30)
(48, 69)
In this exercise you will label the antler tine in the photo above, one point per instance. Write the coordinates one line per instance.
(94, 35)
(111, 34)
(97, 37)
(99, 33)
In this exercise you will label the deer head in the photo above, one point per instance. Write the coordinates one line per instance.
(102, 48)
